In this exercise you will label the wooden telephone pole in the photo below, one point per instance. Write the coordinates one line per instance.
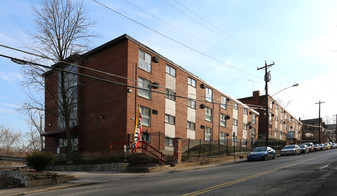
(267, 78)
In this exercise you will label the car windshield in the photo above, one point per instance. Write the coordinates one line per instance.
(260, 149)
(302, 146)
(287, 147)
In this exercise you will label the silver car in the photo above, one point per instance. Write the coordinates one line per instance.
(291, 150)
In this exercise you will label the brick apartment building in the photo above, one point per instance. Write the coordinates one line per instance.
(173, 102)
(282, 125)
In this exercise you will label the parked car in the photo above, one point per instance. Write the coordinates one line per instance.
(291, 150)
(304, 148)
(261, 153)
(334, 145)
(327, 146)
(323, 147)
(317, 147)
(311, 146)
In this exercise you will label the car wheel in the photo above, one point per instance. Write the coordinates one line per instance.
(274, 156)
(265, 157)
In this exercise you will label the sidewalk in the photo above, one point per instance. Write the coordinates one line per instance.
(88, 178)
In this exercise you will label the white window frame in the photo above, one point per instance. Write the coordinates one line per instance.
(222, 138)
(208, 114)
(223, 120)
(245, 111)
(170, 94)
(245, 126)
(191, 82)
(144, 61)
(146, 115)
(236, 106)
(223, 102)
(209, 94)
(235, 122)
(168, 141)
(191, 125)
(254, 118)
(145, 92)
(208, 133)
(191, 103)
(170, 119)
(171, 70)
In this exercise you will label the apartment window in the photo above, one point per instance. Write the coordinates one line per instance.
(270, 117)
(191, 125)
(170, 119)
(191, 82)
(285, 127)
(69, 82)
(245, 111)
(146, 115)
(236, 106)
(253, 132)
(224, 102)
(271, 105)
(235, 122)
(146, 90)
(290, 119)
(191, 103)
(208, 114)
(253, 118)
(170, 70)
(285, 116)
(170, 94)
(276, 118)
(208, 133)
(144, 61)
(63, 142)
(276, 106)
(209, 93)
(222, 138)
(244, 126)
(223, 120)
(168, 141)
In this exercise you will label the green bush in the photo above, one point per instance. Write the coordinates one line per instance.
(40, 160)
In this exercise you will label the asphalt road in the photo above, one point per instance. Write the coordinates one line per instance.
(306, 174)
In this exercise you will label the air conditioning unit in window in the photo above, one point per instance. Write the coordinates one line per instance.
(202, 106)
(202, 126)
(155, 112)
(250, 127)
(228, 117)
(155, 85)
(155, 59)
(202, 86)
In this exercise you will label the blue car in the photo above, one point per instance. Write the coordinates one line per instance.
(261, 153)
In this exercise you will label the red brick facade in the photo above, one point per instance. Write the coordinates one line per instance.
(107, 111)
(282, 125)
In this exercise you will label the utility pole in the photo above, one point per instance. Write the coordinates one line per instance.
(335, 128)
(319, 120)
(267, 78)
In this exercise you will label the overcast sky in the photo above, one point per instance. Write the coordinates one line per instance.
(222, 42)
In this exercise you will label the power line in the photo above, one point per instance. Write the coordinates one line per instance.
(185, 32)
(25, 62)
(230, 38)
(178, 42)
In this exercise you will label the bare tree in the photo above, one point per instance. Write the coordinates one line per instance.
(36, 122)
(9, 138)
(61, 31)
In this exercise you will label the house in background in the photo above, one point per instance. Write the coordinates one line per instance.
(281, 124)
(173, 102)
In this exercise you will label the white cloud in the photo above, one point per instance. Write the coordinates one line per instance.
(10, 77)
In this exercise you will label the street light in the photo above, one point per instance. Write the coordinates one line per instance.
(294, 85)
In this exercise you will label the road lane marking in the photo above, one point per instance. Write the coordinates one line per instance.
(212, 188)
(324, 167)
